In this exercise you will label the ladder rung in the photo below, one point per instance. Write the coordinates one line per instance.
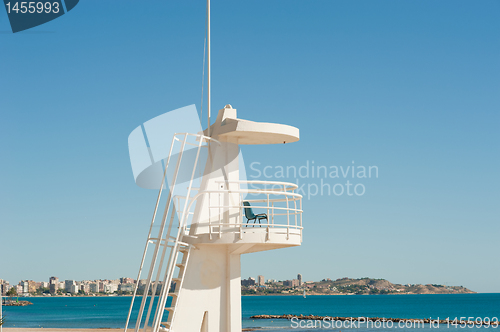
(176, 279)
(175, 294)
(170, 309)
(180, 265)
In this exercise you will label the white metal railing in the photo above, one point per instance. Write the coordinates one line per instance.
(282, 206)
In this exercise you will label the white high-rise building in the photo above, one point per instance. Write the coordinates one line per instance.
(73, 289)
(24, 287)
(110, 288)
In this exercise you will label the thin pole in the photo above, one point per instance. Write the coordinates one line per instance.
(208, 71)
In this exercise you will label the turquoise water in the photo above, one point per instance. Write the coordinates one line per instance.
(111, 312)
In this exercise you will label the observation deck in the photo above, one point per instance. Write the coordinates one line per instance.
(227, 224)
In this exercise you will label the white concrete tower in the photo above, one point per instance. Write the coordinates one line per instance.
(211, 217)
(203, 235)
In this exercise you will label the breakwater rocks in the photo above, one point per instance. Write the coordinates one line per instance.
(367, 320)
(17, 303)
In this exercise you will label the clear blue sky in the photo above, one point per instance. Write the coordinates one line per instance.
(412, 87)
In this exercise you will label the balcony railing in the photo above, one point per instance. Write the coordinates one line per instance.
(277, 200)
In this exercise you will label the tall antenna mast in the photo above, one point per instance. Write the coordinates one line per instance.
(208, 50)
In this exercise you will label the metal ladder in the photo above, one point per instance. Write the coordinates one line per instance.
(185, 251)
(165, 240)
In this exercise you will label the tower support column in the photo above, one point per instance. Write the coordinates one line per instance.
(233, 284)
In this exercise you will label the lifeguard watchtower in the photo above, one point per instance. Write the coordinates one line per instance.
(208, 218)
(193, 283)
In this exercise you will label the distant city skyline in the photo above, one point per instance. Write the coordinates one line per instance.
(104, 285)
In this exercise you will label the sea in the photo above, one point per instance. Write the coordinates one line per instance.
(111, 311)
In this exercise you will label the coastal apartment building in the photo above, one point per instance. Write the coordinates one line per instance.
(85, 288)
(291, 283)
(4, 287)
(110, 288)
(27, 286)
(54, 281)
(248, 282)
(74, 289)
(24, 287)
(94, 287)
(260, 280)
(53, 288)
(68, 284)
(31, 286)
(53, 285)
(127, 281)
(126, 287)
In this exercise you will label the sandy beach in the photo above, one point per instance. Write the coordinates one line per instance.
(22, 329)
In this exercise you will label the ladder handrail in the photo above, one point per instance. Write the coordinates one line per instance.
(157, 246)
(171, 266)
(149, 235)
(204, 141)
(153, 292)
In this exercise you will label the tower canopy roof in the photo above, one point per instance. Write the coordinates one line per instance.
(228, 126)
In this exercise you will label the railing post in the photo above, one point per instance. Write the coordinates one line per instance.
(272, 218)
(241, 212)
(267, 211)
(220, 225)
(210, 215)
(295, 210)
(300, 219)
(287, 218)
